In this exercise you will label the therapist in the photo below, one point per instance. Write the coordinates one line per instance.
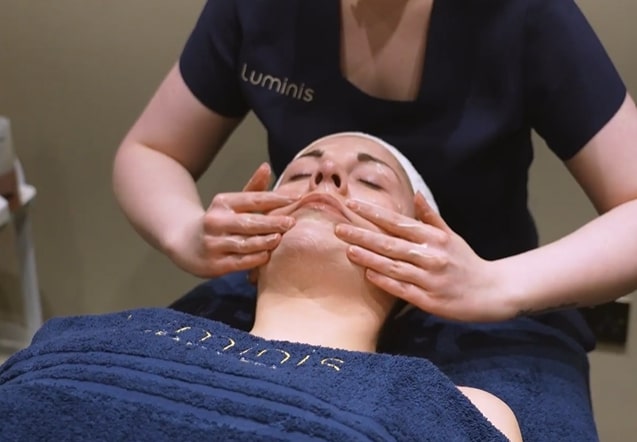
(458, 87)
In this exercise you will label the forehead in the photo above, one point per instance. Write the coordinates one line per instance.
(347, 146)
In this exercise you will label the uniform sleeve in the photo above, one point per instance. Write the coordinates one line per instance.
(573, 89)
(208, 62)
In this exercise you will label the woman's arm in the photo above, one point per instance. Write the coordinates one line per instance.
(427, 264)
(598, 262)
(169, 146)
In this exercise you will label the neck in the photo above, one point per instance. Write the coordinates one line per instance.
(329, 305)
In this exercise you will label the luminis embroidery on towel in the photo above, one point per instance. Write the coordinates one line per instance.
(268, 357)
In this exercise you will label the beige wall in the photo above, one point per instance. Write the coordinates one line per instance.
(74, 75)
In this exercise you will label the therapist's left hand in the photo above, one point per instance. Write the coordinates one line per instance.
(424, 262)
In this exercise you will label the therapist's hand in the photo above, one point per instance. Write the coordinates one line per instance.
(234, 234)
(425, 263)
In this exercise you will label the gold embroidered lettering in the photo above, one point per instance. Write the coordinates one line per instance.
(286, 354)
(332, 362)
(335, 364)
(245, 351)
(208, 336)
(261, 353)
(230, 345)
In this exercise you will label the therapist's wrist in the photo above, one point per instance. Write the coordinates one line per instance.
(511, 290)
(181, 234)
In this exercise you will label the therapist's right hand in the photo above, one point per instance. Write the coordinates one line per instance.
(234, 233)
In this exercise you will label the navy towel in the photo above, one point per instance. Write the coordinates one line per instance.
(162, 375)
(538, 366)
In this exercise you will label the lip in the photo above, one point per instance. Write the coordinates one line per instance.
(323, 201)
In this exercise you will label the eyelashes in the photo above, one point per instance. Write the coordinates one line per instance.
(371, 184)
(299, 176)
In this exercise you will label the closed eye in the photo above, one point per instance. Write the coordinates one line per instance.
(299, 176)
(371, 184)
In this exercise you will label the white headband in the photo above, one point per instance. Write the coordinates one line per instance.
(415, 179)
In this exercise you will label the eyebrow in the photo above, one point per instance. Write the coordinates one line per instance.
(361, 157)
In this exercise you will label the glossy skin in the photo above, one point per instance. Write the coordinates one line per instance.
(350, 168)
(323, 181)
(326, 177)
(309, 271)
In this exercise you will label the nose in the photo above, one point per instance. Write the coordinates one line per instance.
(329, 176)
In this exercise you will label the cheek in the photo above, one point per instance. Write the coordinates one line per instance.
(293, 189)
(381, 199)
(407, 206)
(389, 200)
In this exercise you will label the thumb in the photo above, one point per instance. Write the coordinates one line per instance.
(426, 214)
(260, 179)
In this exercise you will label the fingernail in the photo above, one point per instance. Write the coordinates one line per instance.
(288, 223)
(353, 204)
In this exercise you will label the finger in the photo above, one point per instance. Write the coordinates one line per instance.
(425, 300)
(246, 245)
(392, 222)
(259, 201)
(421, 255)
(395, 277)
(410, 293)
(427, 214)
(247, 224)
(260, 179)
(392, 268)
(235, 263)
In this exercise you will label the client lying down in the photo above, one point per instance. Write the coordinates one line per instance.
(306, 371)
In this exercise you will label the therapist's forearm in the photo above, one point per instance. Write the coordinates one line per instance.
(595, 264)
(157, 194)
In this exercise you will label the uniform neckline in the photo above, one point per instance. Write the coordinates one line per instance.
(429, 62)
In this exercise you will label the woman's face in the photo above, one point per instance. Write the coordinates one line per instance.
(339, 168)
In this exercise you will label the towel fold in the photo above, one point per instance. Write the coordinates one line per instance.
(538, 366)
(540, 372)
(158, 374)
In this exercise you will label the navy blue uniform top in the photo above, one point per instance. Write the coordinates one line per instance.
(494, 70)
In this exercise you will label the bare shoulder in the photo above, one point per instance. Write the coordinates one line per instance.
(495, 410)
